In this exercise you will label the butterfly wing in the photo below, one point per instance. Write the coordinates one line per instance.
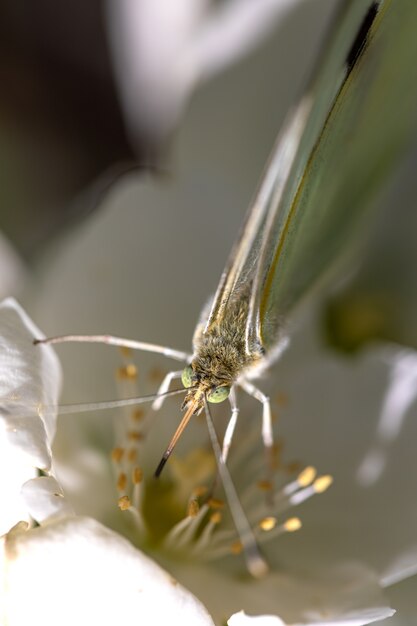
(333, 154)
(368, 125)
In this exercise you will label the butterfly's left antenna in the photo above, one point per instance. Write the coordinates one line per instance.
(121, 342)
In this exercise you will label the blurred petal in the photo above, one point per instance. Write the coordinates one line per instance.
(150, 41)
(357, 618)
(319, 595)
(77, 571)
(403, 566)
(161, 51)
(399, 396)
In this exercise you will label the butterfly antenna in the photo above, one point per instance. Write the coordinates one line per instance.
(255, 562)
(87, 407)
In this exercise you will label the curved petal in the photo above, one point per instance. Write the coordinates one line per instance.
(76, 571)
(45, 500)
(356, 618)
(347, 592)
(28, 377)
(241, 619)
(29, 380)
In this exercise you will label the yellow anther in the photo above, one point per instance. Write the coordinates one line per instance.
(214, 503)
(216, 517)
(137, 415)
(267, 523)
(132, 455)
(265, 485)
(236, 547)
(281, 399)
(322, 483)
(124, 503)
(193, 508)
(292, 524)
(121, 481)
(199, 492)
(307, 476)
(135, 435)
(117, 454)
(127, 372)
(156, 374)
(137, 475)
(126, 352)
(293, 466)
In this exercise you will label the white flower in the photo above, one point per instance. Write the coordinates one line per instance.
(107, 578)
(78, 571)
(143, 268)
(28, 380)
(70, 569)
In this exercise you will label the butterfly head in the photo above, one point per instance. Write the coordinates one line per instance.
(201, 388)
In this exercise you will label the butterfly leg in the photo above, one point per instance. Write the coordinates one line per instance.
(231, 425)
(164, 387)
(121, 342)
(227, 439)
(267, 432)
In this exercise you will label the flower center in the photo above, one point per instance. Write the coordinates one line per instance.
(181, 511)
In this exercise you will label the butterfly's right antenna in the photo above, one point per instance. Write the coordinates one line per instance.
(87, 407)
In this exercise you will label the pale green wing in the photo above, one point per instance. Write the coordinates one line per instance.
(372, 119)
(333, 153)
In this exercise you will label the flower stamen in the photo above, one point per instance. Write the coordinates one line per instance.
(320, 485)
(206, 528)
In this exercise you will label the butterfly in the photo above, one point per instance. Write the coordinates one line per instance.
(337, 146)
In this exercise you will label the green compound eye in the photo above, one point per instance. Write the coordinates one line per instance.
(187, 376)
(218, 394)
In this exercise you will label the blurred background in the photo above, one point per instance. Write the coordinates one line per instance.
(95, 90)
(131, 145)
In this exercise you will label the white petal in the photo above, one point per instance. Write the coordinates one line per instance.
(400, 394)
(403, 566)
(76, 571)
(30, 376)
(149, 42)
(29, 379)
(347, 592)
(13, 473)
(45, 500)
(241, 619)
(162, 50)
(356, 618)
